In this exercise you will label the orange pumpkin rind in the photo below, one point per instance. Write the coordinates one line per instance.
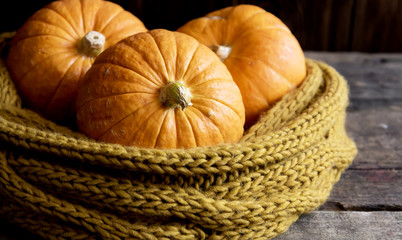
(51, 52)
(264, 58)
(160, 89)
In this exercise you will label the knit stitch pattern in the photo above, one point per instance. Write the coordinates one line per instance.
(59, 184)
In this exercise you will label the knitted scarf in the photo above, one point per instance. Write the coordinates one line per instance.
(59, 184)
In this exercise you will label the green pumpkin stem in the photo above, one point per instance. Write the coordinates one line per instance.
(175, 94)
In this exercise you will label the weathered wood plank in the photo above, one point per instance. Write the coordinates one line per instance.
(317, 225)
(346, 226)
(377, 132)
(371, 77)
(367, 190)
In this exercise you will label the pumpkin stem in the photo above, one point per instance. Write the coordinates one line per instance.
(92, 43)
(175, 94)
(222, 51)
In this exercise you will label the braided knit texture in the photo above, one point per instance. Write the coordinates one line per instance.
(60, 184)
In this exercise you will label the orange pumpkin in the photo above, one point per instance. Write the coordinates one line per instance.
(160, 89)
(54, 48)
(264, 58)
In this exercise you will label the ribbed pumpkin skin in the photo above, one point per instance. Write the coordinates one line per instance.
(118, 101)
(266, 60)
(44, 59)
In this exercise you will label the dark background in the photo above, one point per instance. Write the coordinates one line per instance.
(321, 25)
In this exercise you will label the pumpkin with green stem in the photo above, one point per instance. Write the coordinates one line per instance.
(160, 89)
(55, 47)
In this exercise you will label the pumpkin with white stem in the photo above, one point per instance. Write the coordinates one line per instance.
(54, 48)
(264, 58)
(160, 89)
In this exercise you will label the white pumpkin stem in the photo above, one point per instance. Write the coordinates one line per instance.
(222, 51)
(175, 94)
(92, 43)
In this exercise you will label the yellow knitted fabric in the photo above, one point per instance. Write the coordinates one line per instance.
(59, 184)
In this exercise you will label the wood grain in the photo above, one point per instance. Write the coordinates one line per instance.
(372, 77)
(377, 26)
(377, 132)
(331, 225)
(318, 25)
(367, 190)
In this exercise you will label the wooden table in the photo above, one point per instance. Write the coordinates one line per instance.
(367, 201)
